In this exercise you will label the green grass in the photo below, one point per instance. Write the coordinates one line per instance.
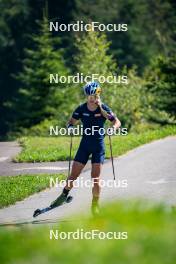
(16, 188)
(151, 238)
(38, 149)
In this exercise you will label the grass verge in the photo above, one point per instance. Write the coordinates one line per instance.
(16, 188)
(151, 238)
(41, 149)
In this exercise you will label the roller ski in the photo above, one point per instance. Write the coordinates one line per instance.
(62, 199)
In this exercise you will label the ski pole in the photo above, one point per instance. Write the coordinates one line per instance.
(106, 115)
(112, 159)
(71, 142)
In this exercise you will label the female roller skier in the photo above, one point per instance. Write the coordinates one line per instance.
(92, 113)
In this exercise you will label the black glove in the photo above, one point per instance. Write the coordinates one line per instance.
(70, 129)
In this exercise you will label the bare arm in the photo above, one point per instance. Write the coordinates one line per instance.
(116, 122)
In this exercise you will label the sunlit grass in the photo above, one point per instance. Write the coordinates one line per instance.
(16, 188)
(151, 238)
(38, 149)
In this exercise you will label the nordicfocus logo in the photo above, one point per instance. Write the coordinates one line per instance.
(82, 26)
(89, 131)
(81, 182)
(92, 234)
(81, 78)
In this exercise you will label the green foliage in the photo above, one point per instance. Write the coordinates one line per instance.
(126, 100)
(13, 38)
(16, 188)
(129, 101)
(41, 129)
(151, 238)
(150, 32)
(92, 54)
(28, 50)
(38, 149)
(161, 87)
(38, 99)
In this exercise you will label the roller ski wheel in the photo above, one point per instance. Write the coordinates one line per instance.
(37, 212)
(69, 199)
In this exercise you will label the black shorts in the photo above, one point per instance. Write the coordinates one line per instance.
(87, 148)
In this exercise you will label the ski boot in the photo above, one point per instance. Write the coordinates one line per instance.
(61, 199)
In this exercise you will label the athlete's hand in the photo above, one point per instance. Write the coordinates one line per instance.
(98, 100)
(70, 128)
(110, 131)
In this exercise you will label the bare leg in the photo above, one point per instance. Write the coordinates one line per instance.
(76, 170)
(95, 174)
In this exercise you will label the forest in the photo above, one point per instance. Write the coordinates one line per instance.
(35, 44)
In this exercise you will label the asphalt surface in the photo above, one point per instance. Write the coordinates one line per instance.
(8, 150)
(149, 171)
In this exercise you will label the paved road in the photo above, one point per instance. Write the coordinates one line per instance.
(150, 171)
(8, 150)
